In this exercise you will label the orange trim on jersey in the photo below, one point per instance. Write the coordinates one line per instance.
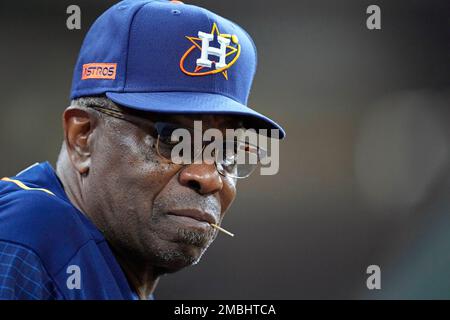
(23, 186)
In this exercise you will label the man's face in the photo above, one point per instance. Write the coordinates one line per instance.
(157, 211)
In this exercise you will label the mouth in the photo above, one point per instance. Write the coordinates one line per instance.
(196, 215)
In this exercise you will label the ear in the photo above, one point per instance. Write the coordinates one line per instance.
(78, 127)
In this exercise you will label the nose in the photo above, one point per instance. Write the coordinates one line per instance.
(202, 178)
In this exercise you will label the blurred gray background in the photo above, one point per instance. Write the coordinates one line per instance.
(365, 170)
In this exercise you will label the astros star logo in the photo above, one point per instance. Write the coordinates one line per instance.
(229, 47)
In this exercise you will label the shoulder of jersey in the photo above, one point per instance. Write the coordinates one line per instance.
(42, 222)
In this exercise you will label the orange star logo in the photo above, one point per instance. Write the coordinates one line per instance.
(234, 51)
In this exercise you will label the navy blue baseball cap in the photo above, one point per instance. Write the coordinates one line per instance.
(169, 57)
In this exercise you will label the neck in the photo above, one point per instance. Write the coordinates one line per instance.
(143, 278)
(71, 184)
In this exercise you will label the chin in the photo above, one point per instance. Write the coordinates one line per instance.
(175, 260)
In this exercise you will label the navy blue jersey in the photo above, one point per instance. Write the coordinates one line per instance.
(48, 248)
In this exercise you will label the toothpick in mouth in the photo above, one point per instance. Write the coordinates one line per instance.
(222, 230)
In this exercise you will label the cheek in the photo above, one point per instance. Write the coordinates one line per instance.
(147, 169)
(132, 166)
(228, 193)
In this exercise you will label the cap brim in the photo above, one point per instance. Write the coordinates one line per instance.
(194, 103)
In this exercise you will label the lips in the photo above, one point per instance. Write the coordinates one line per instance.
(198, 215)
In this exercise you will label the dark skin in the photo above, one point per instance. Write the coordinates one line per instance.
(112, 173)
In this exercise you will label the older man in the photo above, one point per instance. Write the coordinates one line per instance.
(118, 212)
